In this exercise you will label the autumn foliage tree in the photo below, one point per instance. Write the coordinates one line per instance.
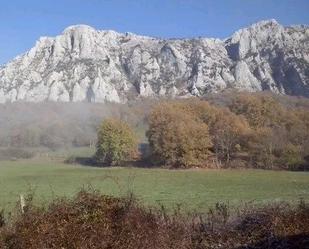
(178, 138)
(279, 136)
(229, 134)
(116, 142)
(228, 131)
(253, 130)
(259, 110)
(186, 132)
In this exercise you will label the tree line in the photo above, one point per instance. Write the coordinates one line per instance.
(250, 130)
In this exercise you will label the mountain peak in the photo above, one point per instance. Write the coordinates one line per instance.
(268, 22)
(84, 64)
(80, 27)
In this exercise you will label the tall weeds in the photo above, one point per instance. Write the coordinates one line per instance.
(93, 220)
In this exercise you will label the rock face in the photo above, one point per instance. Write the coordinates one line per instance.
(83, 64)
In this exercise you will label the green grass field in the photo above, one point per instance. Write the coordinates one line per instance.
(193, 189)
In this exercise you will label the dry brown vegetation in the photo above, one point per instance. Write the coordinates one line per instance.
(177, 138)
(252, 130)
(92, 220)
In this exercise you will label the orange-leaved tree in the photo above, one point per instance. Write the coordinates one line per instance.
(177, 137)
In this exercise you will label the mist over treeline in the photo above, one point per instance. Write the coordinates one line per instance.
(56, 125)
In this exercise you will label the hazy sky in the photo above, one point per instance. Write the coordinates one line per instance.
(22, 22)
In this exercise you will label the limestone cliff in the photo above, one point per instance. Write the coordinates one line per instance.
(83, 64)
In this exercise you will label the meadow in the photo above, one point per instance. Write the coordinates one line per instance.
(48, 177)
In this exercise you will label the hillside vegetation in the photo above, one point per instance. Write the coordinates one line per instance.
(258, 130)
(250, 131)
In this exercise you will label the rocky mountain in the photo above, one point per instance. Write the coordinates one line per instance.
(83, 64)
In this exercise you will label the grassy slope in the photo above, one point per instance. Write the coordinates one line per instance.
(195, 189)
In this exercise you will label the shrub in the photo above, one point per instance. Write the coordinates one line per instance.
(94, 221)
(116, 142)
(2, 219)
(290, 157)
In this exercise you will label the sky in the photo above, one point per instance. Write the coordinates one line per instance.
(22, 22)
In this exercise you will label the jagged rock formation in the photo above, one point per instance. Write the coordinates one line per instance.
(83, 64)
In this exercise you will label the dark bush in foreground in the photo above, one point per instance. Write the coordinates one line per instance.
(96, 221)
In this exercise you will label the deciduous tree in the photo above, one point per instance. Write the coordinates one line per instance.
(178, 138)
(116, 142)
